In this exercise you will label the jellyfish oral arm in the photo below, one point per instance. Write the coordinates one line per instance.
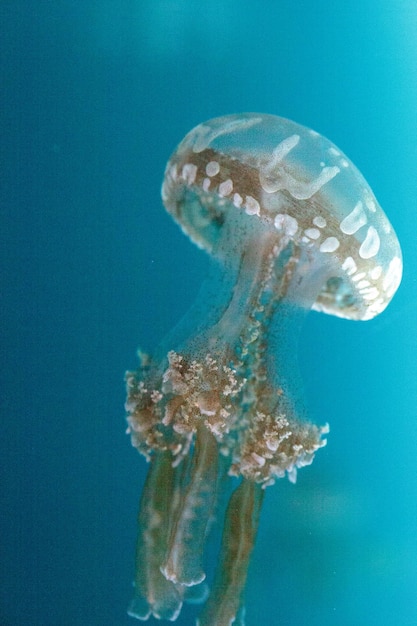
(225, 602)
(213, 413)
(183, 560)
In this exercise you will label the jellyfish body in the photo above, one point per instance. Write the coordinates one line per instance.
(294, 226)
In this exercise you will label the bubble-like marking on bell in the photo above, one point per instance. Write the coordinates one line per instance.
(305, 191)
(212, 168)
(206, 184)
(313, 233)
(370, 246)
(286, 223)
(165, 190)
(369, 201)
(282, 149)
(357, 277)
(375, 272)
(319, 221)
(189, 173)
(393, 276)
(173, 172)
(237, 200)
(375, 308)
(330, 244)
(370, 294)
(252, 206)
(226, 187)
(204, 134)
(275, 179)
(349, 266)
(354, 221)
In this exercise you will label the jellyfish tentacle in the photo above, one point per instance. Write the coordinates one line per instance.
(154, 594)
(225, 602)
(186, 544)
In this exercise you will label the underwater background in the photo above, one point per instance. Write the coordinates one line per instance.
(96, 95)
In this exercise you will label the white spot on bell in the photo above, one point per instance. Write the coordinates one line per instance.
(393, 276)
(330, 244)
(237, 200)
(334, 152)
(173, 172)
(370, 203)
(354, 221)
(375, 272)
(319, 221)
(212, 168)
(370, 245)
(283, 148)
(204, 134)
(252, 206)
(286, 223)
(189, 173)
(371, 294)
(313, 233)
(226, 187)
(349, 266)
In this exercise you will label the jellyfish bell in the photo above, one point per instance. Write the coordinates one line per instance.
(287, 176)
(293, 225)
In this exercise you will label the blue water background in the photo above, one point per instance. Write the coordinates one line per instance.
(95, 97)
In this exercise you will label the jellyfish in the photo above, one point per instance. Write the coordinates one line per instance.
(291, 225)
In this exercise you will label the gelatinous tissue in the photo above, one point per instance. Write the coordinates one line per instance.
(291, 225)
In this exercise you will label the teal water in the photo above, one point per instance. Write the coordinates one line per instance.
(96, 97)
